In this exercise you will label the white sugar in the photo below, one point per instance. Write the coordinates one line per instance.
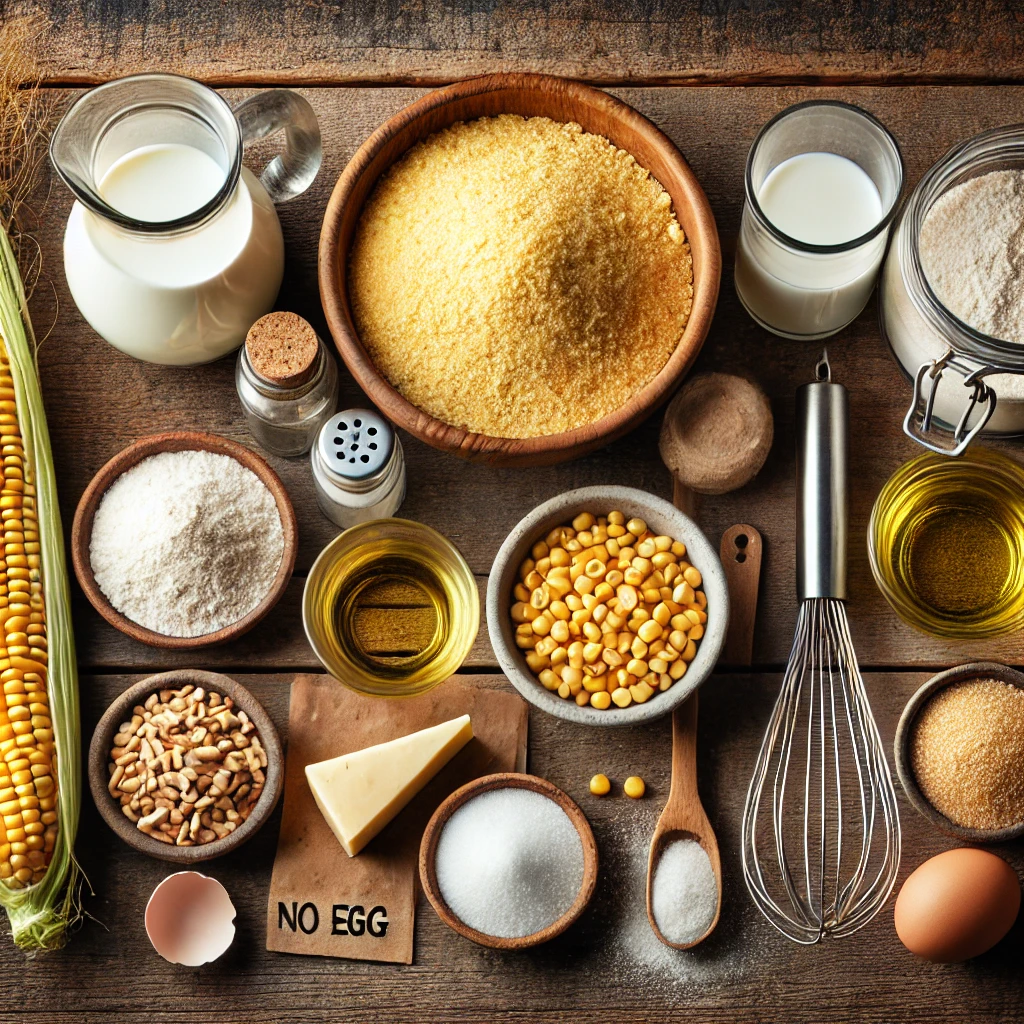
(509, 862)
(684, 892)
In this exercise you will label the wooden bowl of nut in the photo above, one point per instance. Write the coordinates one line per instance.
(211, 770)
(276, 582)
(535, 349)
(511, 597)
(504, 782)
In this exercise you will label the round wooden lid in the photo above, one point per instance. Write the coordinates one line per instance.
(282, 349)
(717, 433)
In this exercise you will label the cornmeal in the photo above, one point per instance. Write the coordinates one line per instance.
(519, 277)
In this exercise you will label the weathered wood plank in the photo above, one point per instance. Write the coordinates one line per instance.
(100, 400)
(430, 41)
(605, 968)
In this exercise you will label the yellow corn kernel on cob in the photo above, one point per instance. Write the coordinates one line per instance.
(28, 791)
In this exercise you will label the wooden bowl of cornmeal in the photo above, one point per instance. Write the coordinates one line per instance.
(517, 366)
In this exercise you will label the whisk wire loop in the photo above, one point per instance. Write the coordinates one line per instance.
(845, 830)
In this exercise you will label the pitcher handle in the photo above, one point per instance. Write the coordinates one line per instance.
(292, 171)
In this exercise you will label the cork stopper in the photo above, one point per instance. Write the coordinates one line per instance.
(282, 349)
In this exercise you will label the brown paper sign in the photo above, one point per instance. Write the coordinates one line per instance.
(325, 903)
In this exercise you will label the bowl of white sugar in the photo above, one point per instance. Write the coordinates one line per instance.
(184, 540)
(508, 861)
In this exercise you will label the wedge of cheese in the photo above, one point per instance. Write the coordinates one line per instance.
(359, 793)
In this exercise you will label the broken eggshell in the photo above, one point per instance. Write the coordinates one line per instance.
(190, 919)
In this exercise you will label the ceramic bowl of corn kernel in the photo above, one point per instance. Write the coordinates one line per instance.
(607, 606)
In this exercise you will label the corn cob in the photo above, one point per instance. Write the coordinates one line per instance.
(28, 818)
(39, 740)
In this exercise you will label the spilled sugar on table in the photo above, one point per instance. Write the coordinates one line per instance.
(709, 80)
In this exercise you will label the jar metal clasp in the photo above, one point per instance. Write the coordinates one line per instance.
(917, 424)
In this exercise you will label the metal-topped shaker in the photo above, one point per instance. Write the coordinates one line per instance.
(358, 468)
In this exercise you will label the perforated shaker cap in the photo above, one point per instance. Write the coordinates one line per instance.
(356, 444)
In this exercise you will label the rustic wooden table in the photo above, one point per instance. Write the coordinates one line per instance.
(710, 76)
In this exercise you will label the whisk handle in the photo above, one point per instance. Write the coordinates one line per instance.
(821, 459)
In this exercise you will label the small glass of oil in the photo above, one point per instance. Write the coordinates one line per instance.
(946, 542)
(391, 608)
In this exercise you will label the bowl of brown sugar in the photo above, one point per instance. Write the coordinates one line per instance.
(518, 268)
(960, 752)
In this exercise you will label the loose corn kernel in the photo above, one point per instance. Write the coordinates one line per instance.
(604, 609)
(634, 787)
(600, 785)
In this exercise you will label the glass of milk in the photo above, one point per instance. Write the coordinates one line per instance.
(173, 248)
(823, 183)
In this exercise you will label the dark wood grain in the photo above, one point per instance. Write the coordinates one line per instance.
(743, 972)
(432, 41)
(602, 969)
(99, 399)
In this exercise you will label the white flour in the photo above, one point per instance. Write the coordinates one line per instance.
(972, 252)
(186, 543)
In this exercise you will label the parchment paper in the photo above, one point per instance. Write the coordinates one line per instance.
(323, 902)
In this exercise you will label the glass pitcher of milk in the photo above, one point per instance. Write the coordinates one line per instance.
(173, 249)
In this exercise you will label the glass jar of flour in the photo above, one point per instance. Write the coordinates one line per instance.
(965, 381)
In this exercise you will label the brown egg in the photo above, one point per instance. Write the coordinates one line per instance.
(957, 905)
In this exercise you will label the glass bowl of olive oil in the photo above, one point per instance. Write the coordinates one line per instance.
(391, 608)
(946, 543)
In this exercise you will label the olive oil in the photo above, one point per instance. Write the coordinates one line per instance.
(391, 608)
(947, 544)
(392, 616)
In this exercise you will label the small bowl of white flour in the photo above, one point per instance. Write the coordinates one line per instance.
(184, 540)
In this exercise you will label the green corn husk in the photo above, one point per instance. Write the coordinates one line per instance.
(41, 914)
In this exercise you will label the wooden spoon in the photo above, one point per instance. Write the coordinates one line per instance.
(683, 816)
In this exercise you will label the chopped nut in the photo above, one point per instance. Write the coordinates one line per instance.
(183, 768)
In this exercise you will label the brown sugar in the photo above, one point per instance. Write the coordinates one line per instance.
(282, 349)
(967, 753)
(519, 277)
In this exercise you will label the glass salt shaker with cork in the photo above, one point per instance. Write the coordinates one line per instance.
(823, 181)
(287, 382)
(358, 468)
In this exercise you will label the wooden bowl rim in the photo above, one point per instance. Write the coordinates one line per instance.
(901, 748)
(507, 780)
(119, 709)
(563, 507)
(127, 458)
(333, 277)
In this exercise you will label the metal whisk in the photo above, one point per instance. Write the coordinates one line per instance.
(821, 830)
